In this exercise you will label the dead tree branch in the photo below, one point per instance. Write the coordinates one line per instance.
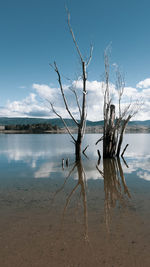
(99, 140)
(62, 92)
(73, 37)
(77, 100)
(58, 115)
(90, 56)
(114, 126)
(124, 150)
(81, 125)
(85, 149)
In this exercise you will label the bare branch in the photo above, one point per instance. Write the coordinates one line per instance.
(62, 92)
(124, 150)
(90, 56)
(81, 125)
(107, 69)
(77, 100)
(125, 122)
(58, 115)
(120, 85)
(73, 37)
(99, 140)
(99, 157)
(84, 125)
(114, 127)
(83, 115)
(85, 155)
(85, 149)
(126, 111)
(136, 107)
(125, 162)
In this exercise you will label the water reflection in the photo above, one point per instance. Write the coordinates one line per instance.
(115, 190)
(91, 201)
(115, 187)
(42, 154)
(80, 188)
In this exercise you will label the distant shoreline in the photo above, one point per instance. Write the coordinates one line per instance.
(54, 126)
(29, 132)
(90, 129)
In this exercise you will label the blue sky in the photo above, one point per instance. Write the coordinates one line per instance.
(34, 33)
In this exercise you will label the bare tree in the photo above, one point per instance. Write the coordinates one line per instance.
(114, 126)
(81, 123)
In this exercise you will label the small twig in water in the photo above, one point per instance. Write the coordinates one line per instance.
(124, 150)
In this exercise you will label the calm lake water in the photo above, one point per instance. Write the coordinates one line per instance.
(94, 207)
(40, 155)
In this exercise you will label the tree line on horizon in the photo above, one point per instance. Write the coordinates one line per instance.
(32, 128)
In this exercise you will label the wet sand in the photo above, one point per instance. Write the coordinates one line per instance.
(38, 229)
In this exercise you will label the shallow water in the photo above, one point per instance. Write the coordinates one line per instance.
(90, 214)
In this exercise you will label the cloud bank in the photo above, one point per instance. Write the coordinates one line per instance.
(36, 103)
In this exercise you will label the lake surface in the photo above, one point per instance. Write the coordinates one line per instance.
(87, 214)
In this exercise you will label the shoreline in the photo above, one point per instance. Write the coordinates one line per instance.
(89, 130)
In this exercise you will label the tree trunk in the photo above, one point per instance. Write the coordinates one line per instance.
(120, 141)
(121, 135)
(78, 146)
(109, 141)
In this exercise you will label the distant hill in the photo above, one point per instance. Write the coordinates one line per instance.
(59, 123)
(140, 123)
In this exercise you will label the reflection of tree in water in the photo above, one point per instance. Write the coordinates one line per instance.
(81, 188)
(115, 188)
(80, 185)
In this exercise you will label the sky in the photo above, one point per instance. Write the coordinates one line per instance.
(34, 33)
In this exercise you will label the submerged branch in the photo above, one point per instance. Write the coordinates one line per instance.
(85, 149)
(124, 150)
(99, 140)
(125, 162)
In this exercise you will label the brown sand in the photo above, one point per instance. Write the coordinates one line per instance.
(36, 231)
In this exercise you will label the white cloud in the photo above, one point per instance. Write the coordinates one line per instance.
(130, 92)
(44, 91)
(34, 105)
(46, 169)
(29, 106)
(94, 98)
(144, 84)
(144, 175)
